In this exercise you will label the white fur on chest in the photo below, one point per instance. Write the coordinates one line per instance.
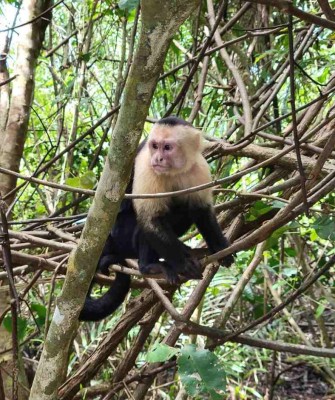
(146, 181)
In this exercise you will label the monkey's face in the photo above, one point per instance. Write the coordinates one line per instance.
(166, 156)
(173, 149)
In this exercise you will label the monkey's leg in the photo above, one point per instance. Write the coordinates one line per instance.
(207, 224)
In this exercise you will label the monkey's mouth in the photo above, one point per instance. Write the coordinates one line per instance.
(160, 168)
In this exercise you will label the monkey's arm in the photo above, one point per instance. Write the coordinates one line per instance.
(207, 224)
(158, 241)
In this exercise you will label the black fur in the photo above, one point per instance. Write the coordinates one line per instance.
(97, 309)
(173, 121)
(128, 239)
(177, 256)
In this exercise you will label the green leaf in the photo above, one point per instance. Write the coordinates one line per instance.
(313, 236)
(321, 308)
(131, 15)
(248, 293)
(86, 181)
(21, 326)
(278, 204)
(276, 235)
(201, 373)
(319, 311)
(263, 55)
(289, 271)
(128, 4)
(69, 86)
(85, 57)
(325, 227)
(161, 352)
(174, 48)
(290, 251)
(258, 208)
(7, 323)
(41, 312)
(74, 182)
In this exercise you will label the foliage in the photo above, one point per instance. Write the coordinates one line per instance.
(200, 370)
(79, 82)
(201, 373)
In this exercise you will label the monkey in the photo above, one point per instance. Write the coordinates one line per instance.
(170, 159)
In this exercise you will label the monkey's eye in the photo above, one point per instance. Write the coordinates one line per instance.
(155, 146)
(167, 147)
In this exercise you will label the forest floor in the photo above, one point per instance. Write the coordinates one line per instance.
(303, 383)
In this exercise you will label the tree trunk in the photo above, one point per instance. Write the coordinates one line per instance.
(18, 107)
(160, 21)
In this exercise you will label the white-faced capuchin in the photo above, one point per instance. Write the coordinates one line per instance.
(169, 159)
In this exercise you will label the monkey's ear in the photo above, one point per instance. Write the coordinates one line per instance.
(206, 144)
(192, 138)
(197, 139)
(200, 140)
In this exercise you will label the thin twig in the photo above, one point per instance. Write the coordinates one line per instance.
(294, 116)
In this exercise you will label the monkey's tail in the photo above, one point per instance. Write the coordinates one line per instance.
(97, 309)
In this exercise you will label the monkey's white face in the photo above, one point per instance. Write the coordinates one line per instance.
(166, 155)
